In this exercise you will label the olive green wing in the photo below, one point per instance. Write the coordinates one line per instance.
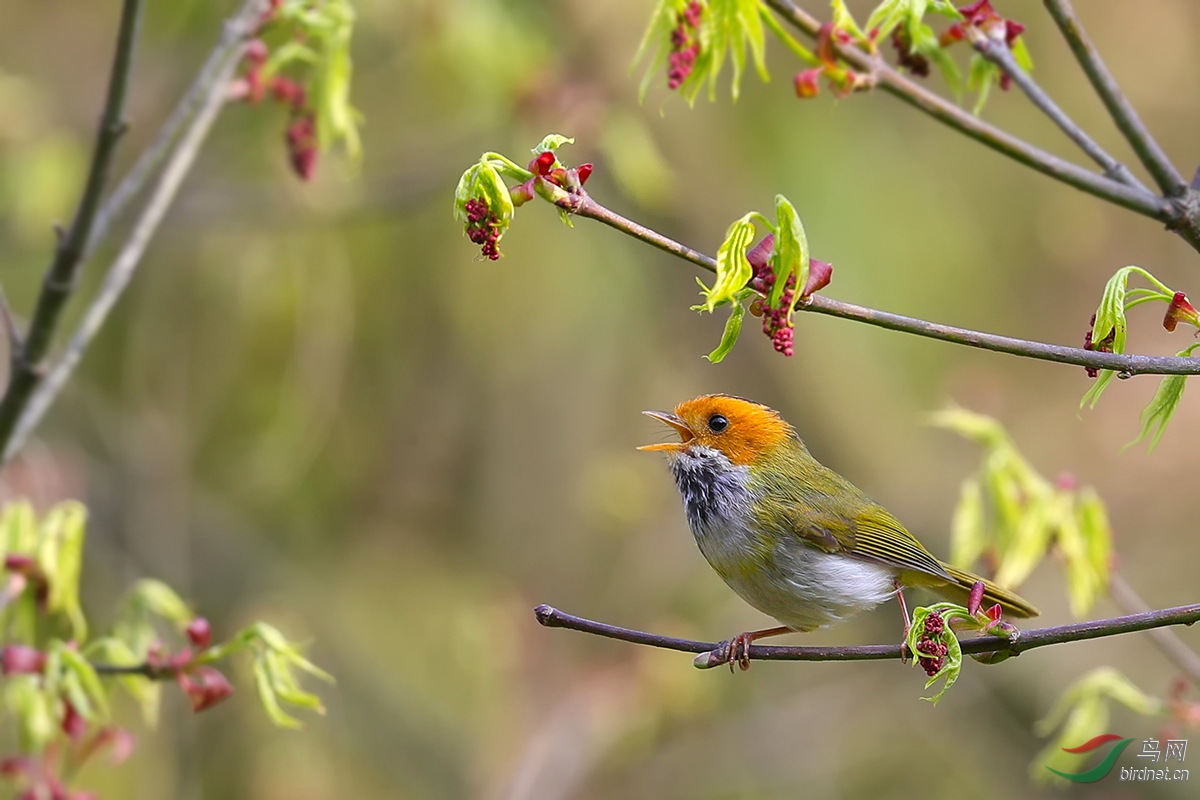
(868, 532)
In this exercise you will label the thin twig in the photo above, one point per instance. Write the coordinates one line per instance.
(999, 140)
(1119, 108)
(11, 333)
(157, 151)
(1182, 656)
(999, 54)
(1125, 364)
(1023, 641)
(127, 260)
(145, 670)
(63, 273)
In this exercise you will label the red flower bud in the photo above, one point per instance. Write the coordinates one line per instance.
(19, 563)
(1180, 310)
(256, 51)
(1011, 31)
(761, 252)
(20, 659)
(806, 82)
(199, 633)
(542, 164)
(951, 35)
(820, 273)
(584, 171)
(825, 45)
(73, 725)
(205, 687)
(995, 612)
(976, 598)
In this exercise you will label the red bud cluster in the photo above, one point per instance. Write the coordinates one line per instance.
(842, 80)
(685, 45)
(931, 650)
(300, 137)
(983, 17)
(1103, 346)
(483, 227)
(777, 323)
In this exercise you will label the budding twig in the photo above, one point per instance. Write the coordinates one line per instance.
(1124, 363)
(999, 54)
(63, 273)
(1178, 215)
(1020, 643)
(185, 132)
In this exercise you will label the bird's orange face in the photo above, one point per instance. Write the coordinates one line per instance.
(741, 429)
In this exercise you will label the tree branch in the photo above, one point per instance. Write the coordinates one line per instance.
(145, 670)
(1178, 216)
(1119, 108)
(1124, 363)
(190, 123)
(63, 274)
(999, 54)
(1024, 640)
(1167, 641)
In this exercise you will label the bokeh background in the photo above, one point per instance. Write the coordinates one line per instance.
(317, 407)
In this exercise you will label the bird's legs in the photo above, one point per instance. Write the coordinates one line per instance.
(737, 649)
(907, 620)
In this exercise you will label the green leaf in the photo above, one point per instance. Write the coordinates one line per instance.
(1110, 318)
(161, 600)
(86, 691)
(1157, 415)
(1097, 535)
(791, 254)
(18, 528)
(657, 42)
(733, 327)
(552, 142)
(32, 707)
(60, 556)
(890, 13)
(733, 270)
(270, 701)
(981, 74)
(1021, 55)
(843, 20)
(968, 527)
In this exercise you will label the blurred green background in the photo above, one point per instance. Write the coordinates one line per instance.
(317, 407)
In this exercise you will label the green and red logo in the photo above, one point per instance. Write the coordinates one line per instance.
(1104, 767)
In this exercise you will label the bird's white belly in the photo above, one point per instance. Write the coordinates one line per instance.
(799, 585)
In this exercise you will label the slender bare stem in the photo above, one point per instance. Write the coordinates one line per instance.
(1181, 215)
(63, 274)
(145, 670)
(999, 54)
(130, 255)
(1119, 108)
(1182, 656)
(1025, 640)
(1124, 363)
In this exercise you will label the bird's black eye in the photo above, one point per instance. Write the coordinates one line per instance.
(717, 423)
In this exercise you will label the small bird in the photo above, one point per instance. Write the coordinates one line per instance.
(792, 537)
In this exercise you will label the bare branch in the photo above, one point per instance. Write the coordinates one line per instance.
(1182, 656)
(1124, 363)
(1024, 641)
(999, 54)
(119, 274)
(1119, 108)
(63, 274)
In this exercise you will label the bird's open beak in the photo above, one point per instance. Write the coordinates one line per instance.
(685, 433)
